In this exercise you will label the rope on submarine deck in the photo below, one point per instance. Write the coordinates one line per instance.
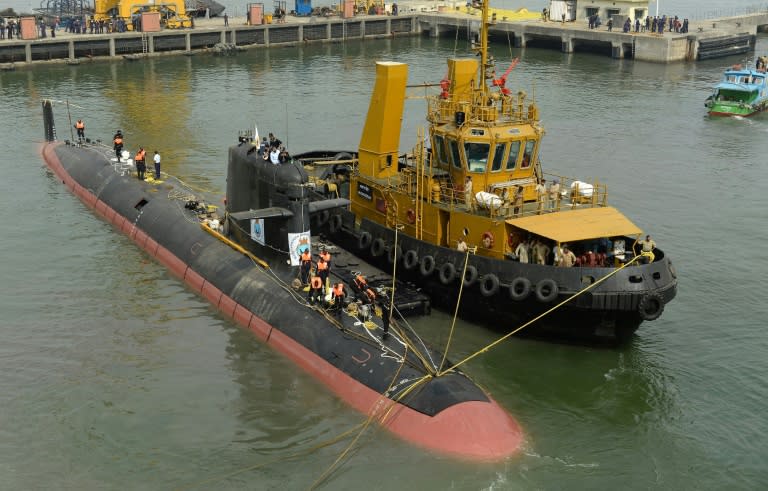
(527, 324)
(428, 367)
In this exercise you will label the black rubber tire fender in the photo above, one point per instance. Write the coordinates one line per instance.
(546, 290)
(447, 273)
(489, 285)
(378, 247)
(470, 276)
(651, 306)
(394, 254)
(410, 259)
(364, 240)
(519, 289)
(427, 265)
(335, 223)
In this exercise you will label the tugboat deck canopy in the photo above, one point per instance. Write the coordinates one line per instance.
(579, 224)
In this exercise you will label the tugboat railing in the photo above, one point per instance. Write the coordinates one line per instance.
(510, 110)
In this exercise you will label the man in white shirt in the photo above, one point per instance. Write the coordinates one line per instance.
(157, 166)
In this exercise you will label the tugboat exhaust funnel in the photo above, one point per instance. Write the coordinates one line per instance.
(380, 141)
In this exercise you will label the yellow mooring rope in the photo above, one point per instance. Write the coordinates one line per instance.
(455, 313)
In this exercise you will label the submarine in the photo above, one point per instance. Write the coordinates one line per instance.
(244, 262)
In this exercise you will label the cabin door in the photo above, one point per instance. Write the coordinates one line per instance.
(443, 228)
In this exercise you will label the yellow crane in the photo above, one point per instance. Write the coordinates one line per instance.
(172, 12)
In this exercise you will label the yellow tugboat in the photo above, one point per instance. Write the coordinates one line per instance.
(474, 206)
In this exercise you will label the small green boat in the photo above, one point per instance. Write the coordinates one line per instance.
(742, 92)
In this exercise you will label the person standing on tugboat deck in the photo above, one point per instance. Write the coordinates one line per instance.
(468, 194)
(647, 247)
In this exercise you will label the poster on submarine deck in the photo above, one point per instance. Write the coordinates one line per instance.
(298, 243)
(257, 230)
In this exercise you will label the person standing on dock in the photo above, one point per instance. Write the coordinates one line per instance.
(157, 165)
(80, 127)
(226, 20)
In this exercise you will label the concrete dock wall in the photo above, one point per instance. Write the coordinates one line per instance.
(705, 39)
(75, 46)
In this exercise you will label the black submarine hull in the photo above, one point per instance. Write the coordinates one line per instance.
(448, 414)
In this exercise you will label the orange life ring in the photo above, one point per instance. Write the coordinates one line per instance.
(411, 216)
(488, 240)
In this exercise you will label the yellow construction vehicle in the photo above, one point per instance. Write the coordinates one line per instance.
(172, 12)
(371, 7)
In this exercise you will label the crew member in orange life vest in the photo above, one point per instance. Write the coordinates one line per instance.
(324, 265)
(315, 290)
(141, 165)
(306, 265)
(80, 126)
(366, 293)
(337, 294)
(118, 141)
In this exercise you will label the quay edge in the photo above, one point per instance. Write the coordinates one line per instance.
(706, 39)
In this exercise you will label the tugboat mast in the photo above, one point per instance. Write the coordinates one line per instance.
(482, 50)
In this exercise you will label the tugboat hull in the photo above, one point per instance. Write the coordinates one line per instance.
(610, 312)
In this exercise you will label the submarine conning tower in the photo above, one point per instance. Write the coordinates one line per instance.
(275, 195)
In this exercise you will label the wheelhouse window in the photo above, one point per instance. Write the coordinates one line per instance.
(498, 157)
(530, 145)
(454, 149)
(439, 148)
(514, 153)
(477, 155)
